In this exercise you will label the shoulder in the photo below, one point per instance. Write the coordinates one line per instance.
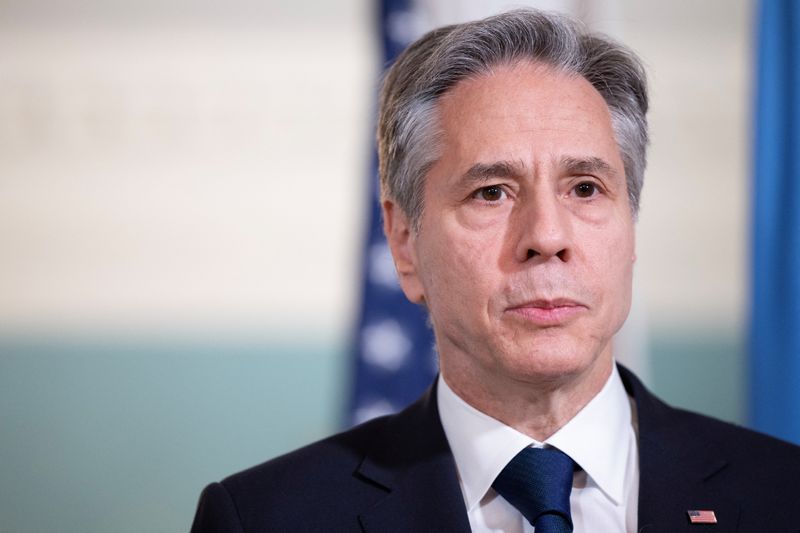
(674, 430)
(758, 456)
(330, 485)
(278, 494)
(340, 454)
(680, 428)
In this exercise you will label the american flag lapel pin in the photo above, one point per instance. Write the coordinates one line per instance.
(702, 517)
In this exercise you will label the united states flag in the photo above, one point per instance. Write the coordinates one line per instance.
(702, 517)
(393, 351)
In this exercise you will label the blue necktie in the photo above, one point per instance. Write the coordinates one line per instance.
(537, 481)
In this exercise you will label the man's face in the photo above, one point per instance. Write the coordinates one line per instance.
(525, 250)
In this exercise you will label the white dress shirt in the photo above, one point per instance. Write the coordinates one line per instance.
(601, 438)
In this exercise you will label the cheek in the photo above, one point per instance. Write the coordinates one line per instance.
(616, 269)
(458, 267)
(607, 257)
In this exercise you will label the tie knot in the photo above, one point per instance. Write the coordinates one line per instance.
(538, 481)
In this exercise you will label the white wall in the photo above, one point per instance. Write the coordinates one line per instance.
(172, 175)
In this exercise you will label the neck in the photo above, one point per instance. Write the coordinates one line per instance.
(534, 405)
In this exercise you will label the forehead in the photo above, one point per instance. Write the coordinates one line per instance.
(524, 105)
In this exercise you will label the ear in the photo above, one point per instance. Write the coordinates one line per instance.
(401, 240)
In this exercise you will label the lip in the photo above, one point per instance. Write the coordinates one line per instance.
(548, 312)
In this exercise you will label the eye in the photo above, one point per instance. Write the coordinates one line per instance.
(586, 189)
(492, 193)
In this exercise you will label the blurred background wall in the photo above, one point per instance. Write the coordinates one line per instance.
(182, 203)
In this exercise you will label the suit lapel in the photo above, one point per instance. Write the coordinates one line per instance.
(413, 462)
(677, 470)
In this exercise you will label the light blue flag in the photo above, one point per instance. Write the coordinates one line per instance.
(775, 312)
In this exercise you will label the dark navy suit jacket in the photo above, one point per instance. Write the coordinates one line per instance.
(397, 474)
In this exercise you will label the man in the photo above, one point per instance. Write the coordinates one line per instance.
(512, 153)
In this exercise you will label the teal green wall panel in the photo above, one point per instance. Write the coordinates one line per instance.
(700, 370)
(122, 437)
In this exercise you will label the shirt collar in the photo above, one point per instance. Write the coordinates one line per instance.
(596, 438)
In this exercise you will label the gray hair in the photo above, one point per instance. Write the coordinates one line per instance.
(408, 126)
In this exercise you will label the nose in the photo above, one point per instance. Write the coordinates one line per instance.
(544, 229)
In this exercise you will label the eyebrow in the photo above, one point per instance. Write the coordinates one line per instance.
(499, 169)
(481, 172)
(587, 165)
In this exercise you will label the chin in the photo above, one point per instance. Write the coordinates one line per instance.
(544, 361)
